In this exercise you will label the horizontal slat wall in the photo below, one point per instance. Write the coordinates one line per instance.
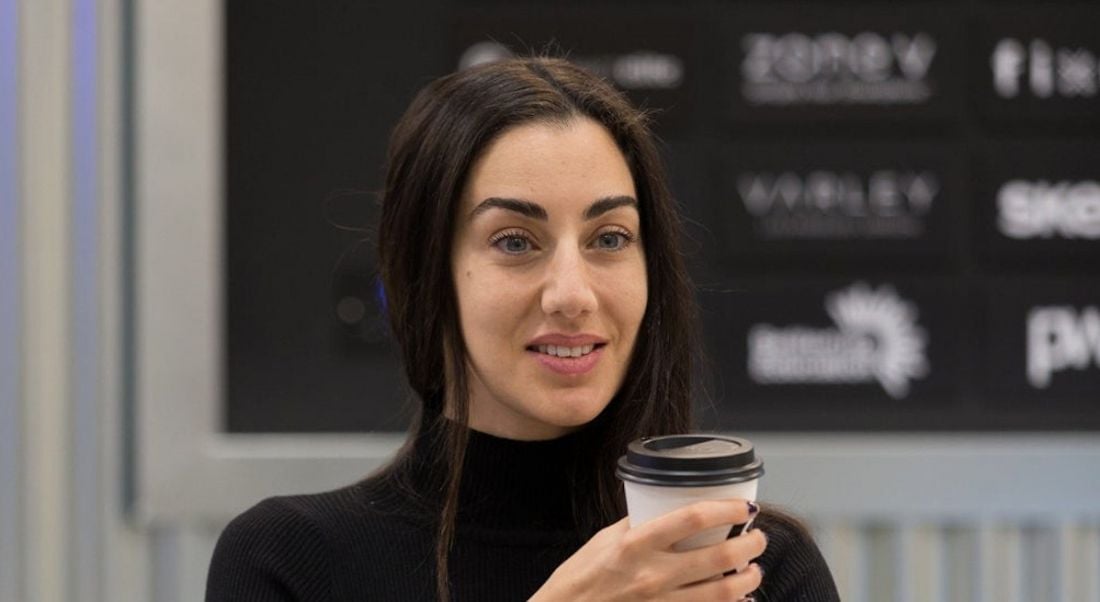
(1081, 570)
(880, 562)
(1003, 562)
(842, 545)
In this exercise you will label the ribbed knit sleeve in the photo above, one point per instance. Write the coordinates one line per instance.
(272, 552)
(794, 569)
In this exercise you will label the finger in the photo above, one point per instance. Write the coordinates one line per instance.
(733, 587)
(729, 555)
(764, 534)
(682, 523)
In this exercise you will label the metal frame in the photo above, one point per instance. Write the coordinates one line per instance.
(11, 311)
(188, 470)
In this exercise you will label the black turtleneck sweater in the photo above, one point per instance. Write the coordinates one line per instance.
(372, 541)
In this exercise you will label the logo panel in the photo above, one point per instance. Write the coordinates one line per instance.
(1044, 344)
(1038, 204)
(807, 62)
(1041, 64)
(833, 353)
(875, 337)
(652, 56)
(858, 202)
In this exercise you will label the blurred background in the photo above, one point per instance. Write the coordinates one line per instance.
(893, 212)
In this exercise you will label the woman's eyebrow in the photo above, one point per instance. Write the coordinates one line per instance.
(606, 204)
(526, 208)
(536, 211)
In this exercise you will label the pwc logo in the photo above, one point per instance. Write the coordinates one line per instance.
(875, 338)
(1042, 209)
(1061, 338)
(1038, 68)
(835, 68)
(828, 204)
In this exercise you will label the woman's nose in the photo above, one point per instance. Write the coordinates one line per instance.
(567, 290)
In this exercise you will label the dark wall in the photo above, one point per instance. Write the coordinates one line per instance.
(894, 207)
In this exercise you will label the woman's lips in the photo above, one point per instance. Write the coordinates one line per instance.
(570, 365)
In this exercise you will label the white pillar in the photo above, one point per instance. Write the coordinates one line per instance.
(44, 138)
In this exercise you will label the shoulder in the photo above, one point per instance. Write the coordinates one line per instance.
(794, 569)
(302, 518)
(281, 548)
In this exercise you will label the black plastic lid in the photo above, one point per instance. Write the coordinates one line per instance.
(690, 461)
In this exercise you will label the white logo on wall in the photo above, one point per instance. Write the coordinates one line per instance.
(876, 339)
(1044, 70)
(642, 69)
(1061, 338)
(834, 68)
(825, 204)
(1043, 209)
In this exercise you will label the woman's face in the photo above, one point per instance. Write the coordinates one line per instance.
(550, 278)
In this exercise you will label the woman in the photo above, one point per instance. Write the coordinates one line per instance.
(528, 248)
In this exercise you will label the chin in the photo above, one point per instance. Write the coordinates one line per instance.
(573, 413)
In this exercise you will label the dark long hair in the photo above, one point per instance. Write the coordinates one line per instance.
(433, 146)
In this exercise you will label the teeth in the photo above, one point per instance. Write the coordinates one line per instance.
(562, 351)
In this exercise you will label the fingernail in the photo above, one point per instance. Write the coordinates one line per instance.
(753, 508)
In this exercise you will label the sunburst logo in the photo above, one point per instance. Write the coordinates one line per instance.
(891, 323)
(876, 339)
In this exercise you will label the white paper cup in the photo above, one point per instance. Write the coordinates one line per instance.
(661, 474)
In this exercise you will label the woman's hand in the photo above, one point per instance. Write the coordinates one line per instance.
(620, 563)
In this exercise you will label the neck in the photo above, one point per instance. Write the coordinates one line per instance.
(506, 483)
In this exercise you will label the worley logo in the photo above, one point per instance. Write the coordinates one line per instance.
(834, 68)
(876, 338)
(1043, 209)
(825, 204)
(640, 70)
(1061, 338)
(1043, 70)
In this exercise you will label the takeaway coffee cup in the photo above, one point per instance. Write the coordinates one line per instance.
(662, 474)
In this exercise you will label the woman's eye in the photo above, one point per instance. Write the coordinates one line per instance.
(513, 245)
(612, 241)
